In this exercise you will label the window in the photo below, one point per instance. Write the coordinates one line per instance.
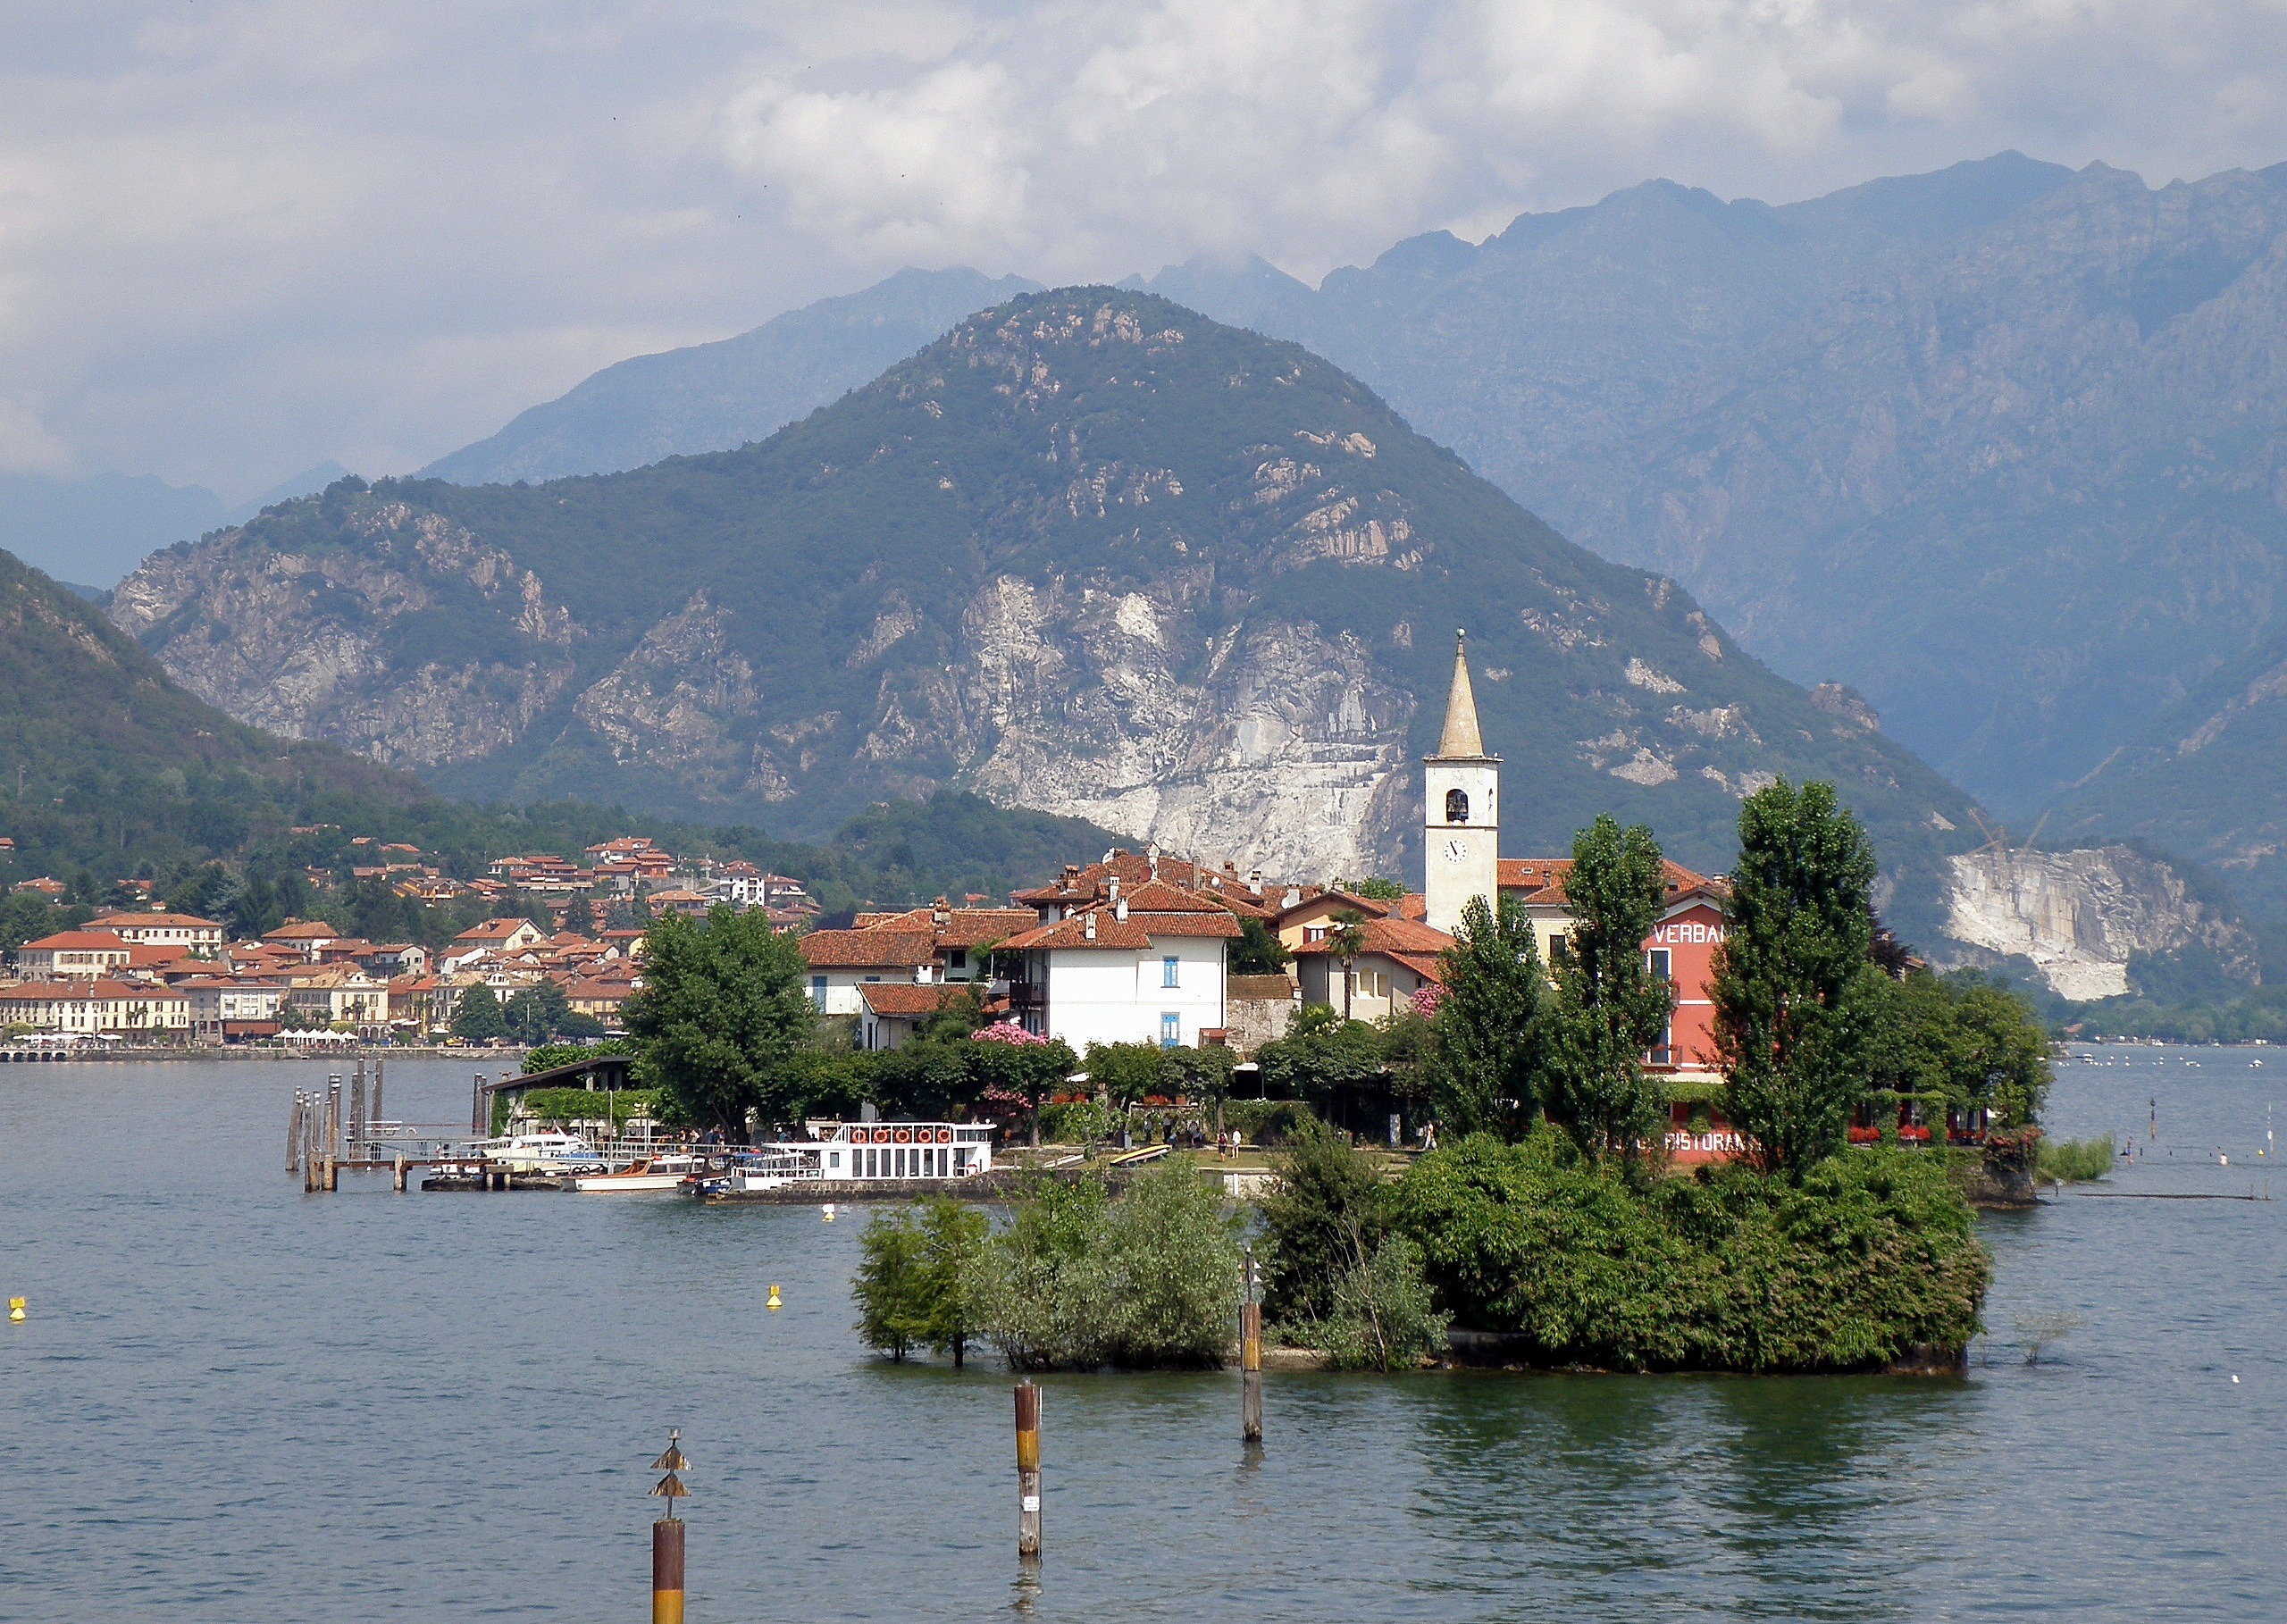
(1657, 961)
(1369, 983)
(1170, 1030)
(957, 958)
(1456, 807)
(1168, 971)
(834, 1160)
(818, 993)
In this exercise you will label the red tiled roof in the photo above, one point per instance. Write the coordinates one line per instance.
(1394, 937)
(111, 922)
(891, 998)
(1542, 879)
(78, 941)
(843, 949)
(302, 930)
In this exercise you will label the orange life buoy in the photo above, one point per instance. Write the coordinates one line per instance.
(858, 1135)
(904, 1135)
(944, 1135)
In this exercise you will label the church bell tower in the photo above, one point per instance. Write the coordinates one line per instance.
(1461, 836)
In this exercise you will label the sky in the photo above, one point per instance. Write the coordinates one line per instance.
(240, 236)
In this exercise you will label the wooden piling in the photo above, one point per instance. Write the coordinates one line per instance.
(1028, 1471)
(476, 1122)
(357, 1112)
(397, 1179)
(373, 1105)
(294, 1134)
(1251, 1360)
(667, 1570)
(309, 1148)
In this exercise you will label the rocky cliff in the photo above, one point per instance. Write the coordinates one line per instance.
(2082, 915)
(1089, 553)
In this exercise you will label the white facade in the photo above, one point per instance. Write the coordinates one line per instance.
(834, 989)
(1167, 994)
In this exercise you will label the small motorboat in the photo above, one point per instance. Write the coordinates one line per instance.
(556, 1155)
(753, 1170)
(645, 1173)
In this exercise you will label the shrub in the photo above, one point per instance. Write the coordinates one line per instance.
(1325, 1217)
(1384, 1316)
(1078, 1281)
(1268, 1122)
(2077, 1161)
(1870, 1256)
(1082, 1122)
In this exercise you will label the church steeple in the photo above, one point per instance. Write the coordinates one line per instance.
(1461, 834)
(1461, 741)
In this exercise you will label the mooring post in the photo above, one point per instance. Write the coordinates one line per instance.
(294, 1134)
(373, 1106)
(1028, 1471)
(476, 1122)
(666, 1535)
(1251, 1360)
(357, 1112)
(309, 1147)
(398, 1179)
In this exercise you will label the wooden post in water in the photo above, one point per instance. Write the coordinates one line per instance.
(309, 1144)
(357, 1112)
(294, 1134)
(374, 1105)
(1251, 1360)
(397, 1181)
(476, 1122)
(1027, 1472)
(332, 1133)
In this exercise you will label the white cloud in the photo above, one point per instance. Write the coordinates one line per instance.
(255, 233)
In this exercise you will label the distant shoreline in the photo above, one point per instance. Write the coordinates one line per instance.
(179, 1051)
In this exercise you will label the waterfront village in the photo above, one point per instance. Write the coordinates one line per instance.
(1139, 947)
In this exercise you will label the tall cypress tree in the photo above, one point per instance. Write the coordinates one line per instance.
(1609, 1007)
(1793, 1011)
(1488, 1041)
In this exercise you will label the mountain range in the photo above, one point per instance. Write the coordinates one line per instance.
(1996, 447)
(1089, 553)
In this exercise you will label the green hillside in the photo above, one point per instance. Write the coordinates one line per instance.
(1090, 553)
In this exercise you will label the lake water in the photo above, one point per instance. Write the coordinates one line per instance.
(233, 1402)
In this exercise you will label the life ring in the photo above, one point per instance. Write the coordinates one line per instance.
(904, 1135)
(857, 1135)
(944, 1135)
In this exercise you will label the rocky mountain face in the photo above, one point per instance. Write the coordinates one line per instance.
(2083, 916)
(1089, 553)
(712, 397)
(2000, 446)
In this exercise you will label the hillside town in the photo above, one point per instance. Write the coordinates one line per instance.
(1138, 947)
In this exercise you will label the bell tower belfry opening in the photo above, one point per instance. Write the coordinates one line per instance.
(1460, 837)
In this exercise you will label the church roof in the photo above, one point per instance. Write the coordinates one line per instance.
(1461, 741)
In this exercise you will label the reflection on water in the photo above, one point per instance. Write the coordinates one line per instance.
(234, 1402)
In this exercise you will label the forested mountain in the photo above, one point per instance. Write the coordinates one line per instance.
(109, 770)
(712, 397)
(1089, 553)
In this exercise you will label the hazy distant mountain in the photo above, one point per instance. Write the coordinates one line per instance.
(713, 396)
(1090, 553)
(95, 528)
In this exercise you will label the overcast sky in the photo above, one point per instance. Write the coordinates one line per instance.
(237, 237)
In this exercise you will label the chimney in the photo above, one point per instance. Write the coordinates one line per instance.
(1120, 910)
(1254, 880)
(1113, 883)
(1088, 927)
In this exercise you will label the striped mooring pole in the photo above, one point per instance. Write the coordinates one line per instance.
(1251, 1359)
(666, 1535)
(1027, 1472)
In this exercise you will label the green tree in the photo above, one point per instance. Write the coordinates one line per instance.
(1486, 1064)
(1793, 992)
(536, 1013)
(1324, 1216)
(476, 1016)
(1374, 890)
(1199, 1074)
(1322, 1057)
(1126, 1071)
(722, 1009)
(1609, 1007)
(1258, 951)
(891, 1284)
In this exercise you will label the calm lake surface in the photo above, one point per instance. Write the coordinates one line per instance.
(233, 1402)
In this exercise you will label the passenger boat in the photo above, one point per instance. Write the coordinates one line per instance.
(645, 1173)
(900, 1149)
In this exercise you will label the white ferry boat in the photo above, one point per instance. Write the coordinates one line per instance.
(899, 1150)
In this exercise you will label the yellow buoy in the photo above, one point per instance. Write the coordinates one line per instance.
(773, 1304)
(16, 1310)
(829, 1212)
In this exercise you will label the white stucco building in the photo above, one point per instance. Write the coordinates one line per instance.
(1146, 967)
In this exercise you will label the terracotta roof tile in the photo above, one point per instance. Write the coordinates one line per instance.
(869, 949)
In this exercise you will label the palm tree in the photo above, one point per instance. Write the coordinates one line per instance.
(1347, 940)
